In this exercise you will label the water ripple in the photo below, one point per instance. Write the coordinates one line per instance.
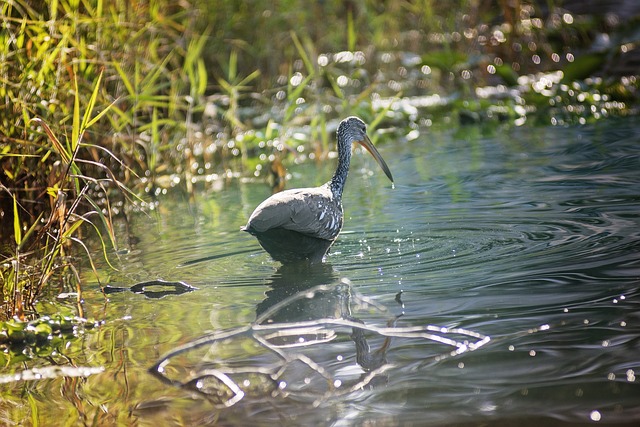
(531, 239)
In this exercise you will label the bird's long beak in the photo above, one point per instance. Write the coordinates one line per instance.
(366, 143)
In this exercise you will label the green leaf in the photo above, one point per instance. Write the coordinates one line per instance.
(381, 114)
(303, 54)
(446, 60)
(101, 113)
(509, 76)
(351, 31)
(249, 78)
(336, 88)
(92, 102)
(75, 129)
(233, 65)
(31, 229)
(582, 67)
(17, 230)
(202, 78)
(125, 79)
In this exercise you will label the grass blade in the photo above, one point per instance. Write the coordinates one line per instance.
(101, 114)
(17, 230)
(124, 78)
(303, 54)
(66, 157)
(351, 31)
(75, 129)
(92, 102)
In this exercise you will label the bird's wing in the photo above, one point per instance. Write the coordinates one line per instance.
(306, 211)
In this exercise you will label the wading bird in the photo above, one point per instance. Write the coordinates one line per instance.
(301, 224)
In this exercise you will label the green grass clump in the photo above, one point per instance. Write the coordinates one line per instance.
(38, 251)
(84, 85)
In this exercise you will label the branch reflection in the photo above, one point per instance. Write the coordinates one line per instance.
(309, 330)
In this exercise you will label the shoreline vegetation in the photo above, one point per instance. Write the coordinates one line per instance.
(110, 103)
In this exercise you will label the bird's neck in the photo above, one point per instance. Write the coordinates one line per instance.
(340, 176)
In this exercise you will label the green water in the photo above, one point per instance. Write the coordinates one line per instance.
(526, 239)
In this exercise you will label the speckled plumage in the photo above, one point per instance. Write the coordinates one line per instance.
(314, 212)
(302, 223)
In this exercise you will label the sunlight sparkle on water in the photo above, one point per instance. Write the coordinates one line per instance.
(631, 376)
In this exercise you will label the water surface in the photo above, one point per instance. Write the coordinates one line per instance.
(525, 238)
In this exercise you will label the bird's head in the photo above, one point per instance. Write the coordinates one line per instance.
(351, 130)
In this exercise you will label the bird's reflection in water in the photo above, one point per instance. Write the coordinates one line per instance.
(292, 280)
(292, 248)
(303, 324)
(304, 292)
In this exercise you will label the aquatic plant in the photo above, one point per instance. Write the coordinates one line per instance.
(40, 254)
(59, 170)
(40, 337)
